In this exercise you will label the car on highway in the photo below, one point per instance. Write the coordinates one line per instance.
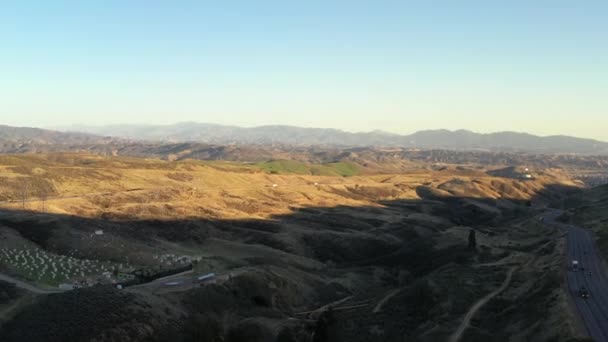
(583, 293)
(173, 283)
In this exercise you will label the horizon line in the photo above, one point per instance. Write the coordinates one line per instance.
(62, 128)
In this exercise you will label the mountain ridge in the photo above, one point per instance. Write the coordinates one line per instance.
(293, 135)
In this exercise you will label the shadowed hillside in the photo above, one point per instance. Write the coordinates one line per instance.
(392, 265)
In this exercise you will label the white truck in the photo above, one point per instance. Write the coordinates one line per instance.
(574, 265)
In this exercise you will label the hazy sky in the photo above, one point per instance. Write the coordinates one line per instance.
(529, 65)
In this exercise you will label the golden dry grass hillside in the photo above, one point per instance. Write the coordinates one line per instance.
(121, 187)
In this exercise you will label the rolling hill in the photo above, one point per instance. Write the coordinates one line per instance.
(389, 254)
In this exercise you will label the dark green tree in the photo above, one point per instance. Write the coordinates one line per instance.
(472, 241)
(327, 319)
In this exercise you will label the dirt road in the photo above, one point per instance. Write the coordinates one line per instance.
(480, 303)
(23, 285)
(386, 298)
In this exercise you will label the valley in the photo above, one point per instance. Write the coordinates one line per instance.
(303, 171)
(297, 254)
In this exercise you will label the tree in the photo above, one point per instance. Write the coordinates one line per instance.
(472, 241)
(321, 330)
(327, 319)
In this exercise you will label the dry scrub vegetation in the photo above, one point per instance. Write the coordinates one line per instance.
(392, 247)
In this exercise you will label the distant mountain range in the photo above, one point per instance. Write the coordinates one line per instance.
(37, 136)
(16, 139)
(395, 159)
(298, 136)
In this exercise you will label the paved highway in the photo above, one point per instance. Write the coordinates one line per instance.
(593, 311)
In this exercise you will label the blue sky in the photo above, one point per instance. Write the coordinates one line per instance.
(401, 66)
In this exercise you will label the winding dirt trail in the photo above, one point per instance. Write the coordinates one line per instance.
(483, 301)
(391, 294)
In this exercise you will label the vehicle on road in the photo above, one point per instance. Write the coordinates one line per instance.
(589, 273)
(206, 279)
(583, 293)
(574, 265)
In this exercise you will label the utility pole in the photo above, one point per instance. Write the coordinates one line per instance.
(43, 200)
(23, 193)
